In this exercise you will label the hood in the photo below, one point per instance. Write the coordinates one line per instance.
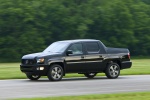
(40, 54)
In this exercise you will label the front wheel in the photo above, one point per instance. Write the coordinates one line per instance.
(112, 70)
(55, 73)
(33, 77)
(90, 75)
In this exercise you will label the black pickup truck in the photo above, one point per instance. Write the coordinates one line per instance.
(84, 56)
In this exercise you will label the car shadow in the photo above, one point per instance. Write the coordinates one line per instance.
(75, 79)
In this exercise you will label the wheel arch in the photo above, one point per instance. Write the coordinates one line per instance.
(59, 63)
(114, 61)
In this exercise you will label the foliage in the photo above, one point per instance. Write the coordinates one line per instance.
(28, 26)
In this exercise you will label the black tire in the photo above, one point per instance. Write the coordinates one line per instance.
(33, 77)
(112, 70)
(55, 73)
(90, 75)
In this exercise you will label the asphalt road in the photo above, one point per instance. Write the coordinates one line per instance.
(72, 86)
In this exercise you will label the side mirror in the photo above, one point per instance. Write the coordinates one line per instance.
(69, 52)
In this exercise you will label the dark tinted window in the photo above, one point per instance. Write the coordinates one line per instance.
(92, 47)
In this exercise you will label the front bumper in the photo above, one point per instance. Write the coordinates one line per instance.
(126, 64)
(34, 69)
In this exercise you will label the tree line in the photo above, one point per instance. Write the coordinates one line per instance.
(28, 26)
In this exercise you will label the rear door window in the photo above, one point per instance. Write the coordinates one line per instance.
(92, 47)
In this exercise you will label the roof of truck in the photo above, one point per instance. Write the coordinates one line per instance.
(78, 40)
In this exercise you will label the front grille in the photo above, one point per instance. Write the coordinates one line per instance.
(28, 61)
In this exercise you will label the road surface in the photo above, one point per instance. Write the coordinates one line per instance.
(24, 88)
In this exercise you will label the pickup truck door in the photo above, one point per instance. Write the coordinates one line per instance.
(93, 62)
(93, 58)
(75, 62)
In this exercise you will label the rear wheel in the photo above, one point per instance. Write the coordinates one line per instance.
(90, 75)
(33, 77)
(112, 71)
(55, 73)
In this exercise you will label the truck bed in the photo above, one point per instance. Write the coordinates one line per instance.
(111, 50)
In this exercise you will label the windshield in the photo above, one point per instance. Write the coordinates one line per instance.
(57, 47)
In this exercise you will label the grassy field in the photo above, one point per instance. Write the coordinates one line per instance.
(123, 96)
(12, 70)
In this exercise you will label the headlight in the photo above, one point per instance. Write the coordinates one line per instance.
(40, 60)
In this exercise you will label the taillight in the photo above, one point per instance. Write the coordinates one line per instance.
(129, 55)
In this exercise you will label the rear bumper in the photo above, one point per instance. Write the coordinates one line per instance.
(34, 69)
(126, 64)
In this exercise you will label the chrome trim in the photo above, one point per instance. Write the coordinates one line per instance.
(76, 62)
(83, 62)
(94, 61)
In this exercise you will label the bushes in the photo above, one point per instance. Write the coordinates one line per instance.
(28, 26)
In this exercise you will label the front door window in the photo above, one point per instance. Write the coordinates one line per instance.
(76, 49)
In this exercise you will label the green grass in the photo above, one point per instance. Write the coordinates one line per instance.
(122, 96)
(12, 70)
(139, 67)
